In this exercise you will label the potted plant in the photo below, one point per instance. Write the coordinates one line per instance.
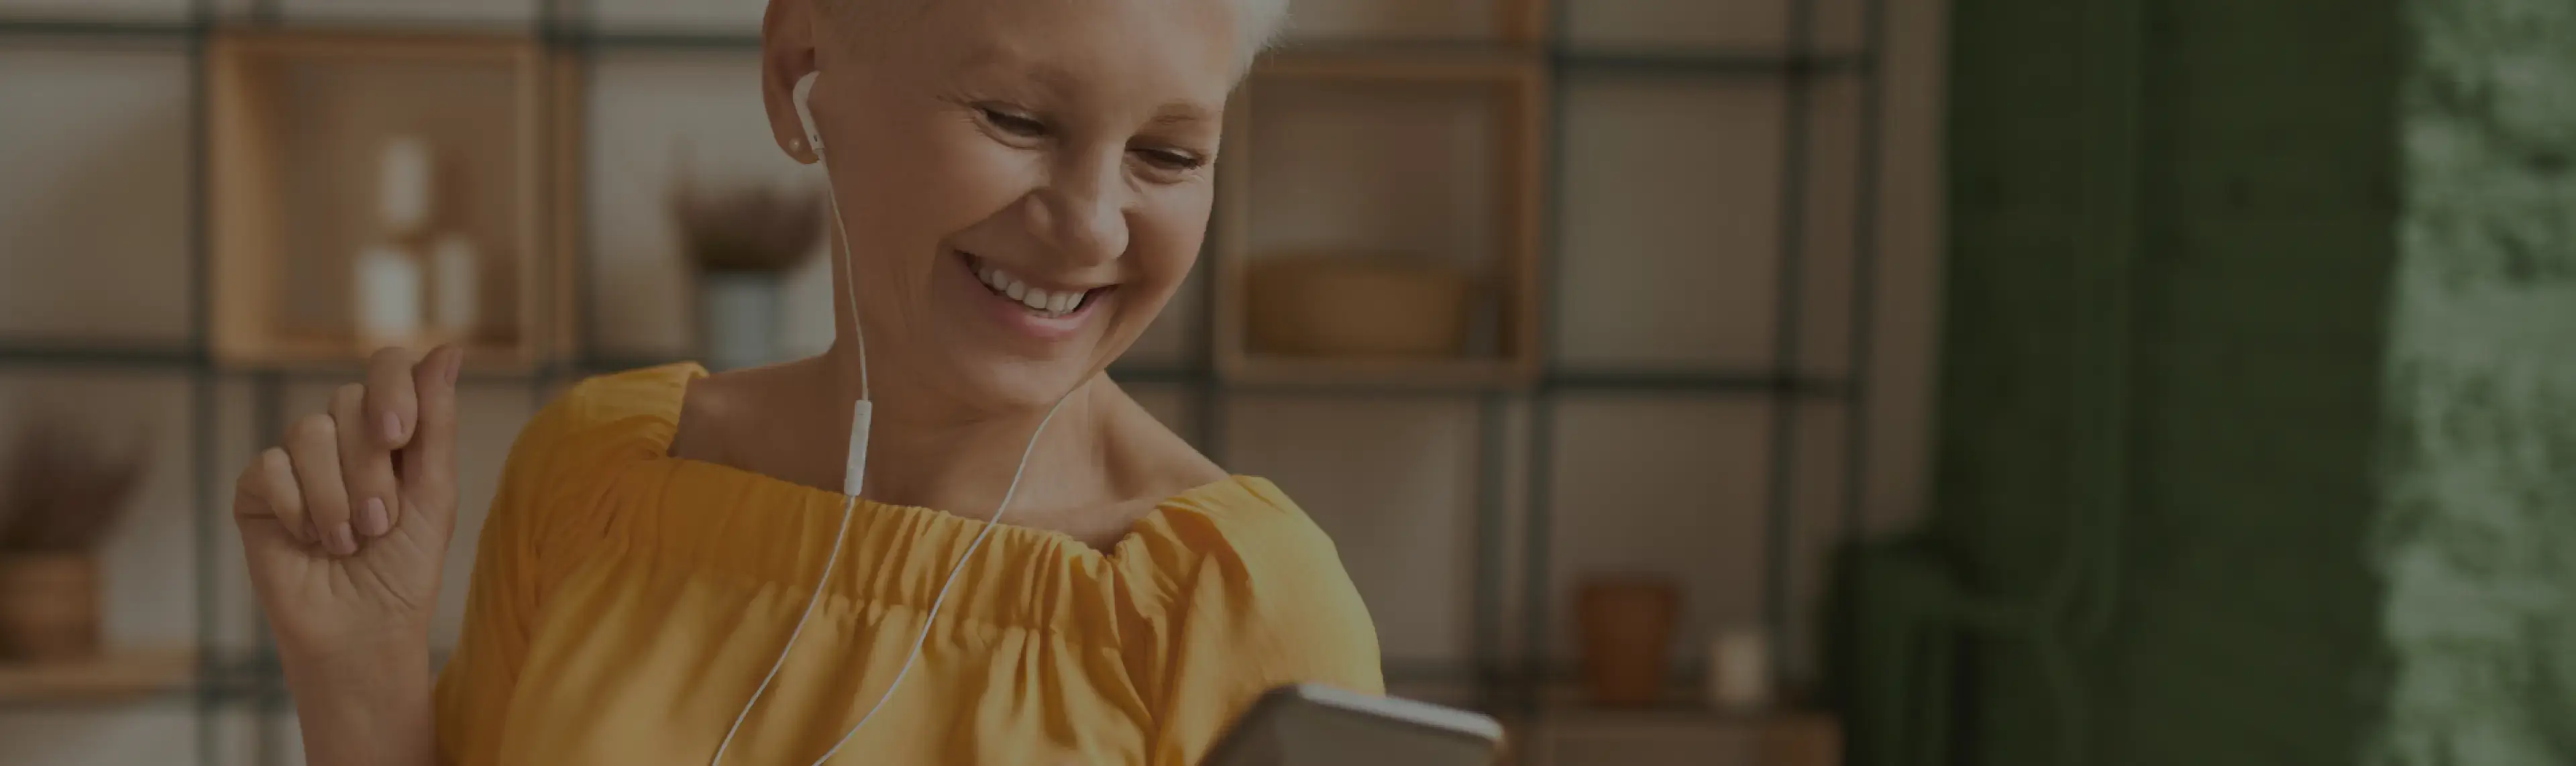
(61, 498)
(743, 239)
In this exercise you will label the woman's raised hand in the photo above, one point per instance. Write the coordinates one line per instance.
(346, 524)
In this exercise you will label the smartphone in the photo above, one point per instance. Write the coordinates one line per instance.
(1315, 725)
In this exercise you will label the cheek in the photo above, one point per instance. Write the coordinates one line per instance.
(1171, 233)
(1165, 239)
(944, 179)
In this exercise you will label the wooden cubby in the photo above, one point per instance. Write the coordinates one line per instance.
(296, 122)
(1478, 116)
(1522, 23)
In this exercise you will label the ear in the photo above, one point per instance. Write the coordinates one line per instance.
(786, 55)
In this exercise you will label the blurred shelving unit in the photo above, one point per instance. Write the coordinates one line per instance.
(296, 119)
(1487, 91)
(1491, 100)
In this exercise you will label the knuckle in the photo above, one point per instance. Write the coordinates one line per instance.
(277, 475)
(275, 460)
(315, 428)
(349, 394)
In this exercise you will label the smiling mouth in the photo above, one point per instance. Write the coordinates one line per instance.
(1050, 304)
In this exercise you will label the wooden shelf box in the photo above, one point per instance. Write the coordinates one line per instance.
(1433, 155)
(114, 677)
(299, 125)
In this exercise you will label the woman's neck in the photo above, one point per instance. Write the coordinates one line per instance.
(932, 451)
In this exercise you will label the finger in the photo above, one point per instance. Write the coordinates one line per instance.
(391, 408)
(270, 481)
(250, 491)
(429, 462)
(365, 463)
(313, 444)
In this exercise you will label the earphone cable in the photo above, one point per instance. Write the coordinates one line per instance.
(930, 618)
(849, 508)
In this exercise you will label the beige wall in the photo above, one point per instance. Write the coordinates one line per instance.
(1667, 240)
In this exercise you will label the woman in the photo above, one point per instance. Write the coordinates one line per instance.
(1025, 183)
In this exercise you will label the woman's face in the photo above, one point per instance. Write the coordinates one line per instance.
(1024, 183)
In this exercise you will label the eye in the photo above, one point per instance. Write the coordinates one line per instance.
(1172, 159)
(1013, 123)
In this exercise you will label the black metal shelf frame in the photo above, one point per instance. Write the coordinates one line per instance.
(1795, 70)
(1506, 674)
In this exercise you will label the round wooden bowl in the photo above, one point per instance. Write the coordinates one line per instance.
(1356, 306)
(48, 606)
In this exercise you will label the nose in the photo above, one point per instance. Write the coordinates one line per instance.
(1081, 212)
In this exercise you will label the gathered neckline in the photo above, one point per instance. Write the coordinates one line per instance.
(667, 418)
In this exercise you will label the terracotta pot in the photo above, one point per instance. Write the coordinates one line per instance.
(1627, 631)
(1376, 306)
(48, 606)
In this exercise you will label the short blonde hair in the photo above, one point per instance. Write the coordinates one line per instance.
(1258, 23)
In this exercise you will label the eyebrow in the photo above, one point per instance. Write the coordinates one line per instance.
(1181, 113)
(1056, 78)
(985, 58)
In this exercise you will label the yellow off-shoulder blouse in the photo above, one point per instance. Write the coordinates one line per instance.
(625, 603)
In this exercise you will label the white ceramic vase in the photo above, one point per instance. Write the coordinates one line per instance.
(738, 315)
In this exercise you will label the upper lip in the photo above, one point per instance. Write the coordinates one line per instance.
(978, 263)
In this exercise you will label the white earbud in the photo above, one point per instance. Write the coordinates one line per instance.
(804, 93)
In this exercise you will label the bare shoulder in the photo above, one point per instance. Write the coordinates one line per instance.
(735, 418)
(1149, 462)
(709, 409)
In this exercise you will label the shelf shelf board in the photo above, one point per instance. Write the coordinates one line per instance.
(1705, 61)
(323, 356)
(1474, 64)
(1261, 371)
(1578, 715)
(1145, 373)
(316, 358)
(99, 27)
(662, 40)
(66, 353)
(1295, 57)
(1681, 381)
(117, 676)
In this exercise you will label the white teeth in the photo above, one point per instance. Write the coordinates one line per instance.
(1037, 299)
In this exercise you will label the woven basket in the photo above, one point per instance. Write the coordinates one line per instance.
(1357, 306)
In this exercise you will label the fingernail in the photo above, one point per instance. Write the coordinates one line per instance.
(341, 542)
(372, 521)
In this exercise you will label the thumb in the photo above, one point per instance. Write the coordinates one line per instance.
(429, 461)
